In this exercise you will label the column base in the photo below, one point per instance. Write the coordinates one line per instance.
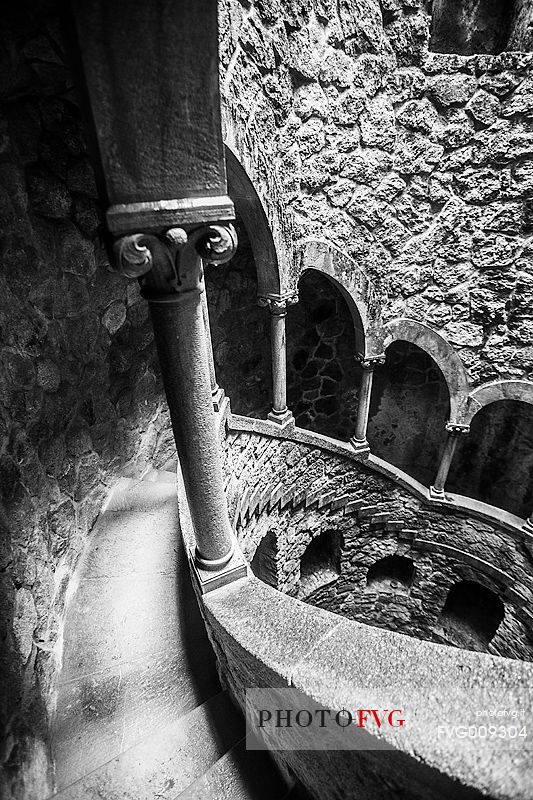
(281, 418)
(436, 494)
(219, 399)
(360, 445)
(209, 579)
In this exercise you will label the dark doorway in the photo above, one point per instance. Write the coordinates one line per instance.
(494, 463)
(322, 373)
(320, 563)
(471, 26)
(391, 574)
(471, 615)
(408, 412)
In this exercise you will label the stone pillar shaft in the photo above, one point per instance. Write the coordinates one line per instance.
(278, 343)
(454, 431)
(183, 355)
(364, 405)
(217, 394)
(365, 393)
(169, 267)
(278, 348)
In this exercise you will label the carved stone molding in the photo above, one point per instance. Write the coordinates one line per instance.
(152, 216)
(370, 362)
(170, 264)
(277, 305)
(455, 429)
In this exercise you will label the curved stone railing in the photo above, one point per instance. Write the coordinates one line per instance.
(295, 484)
(512, 524)
(266, 639)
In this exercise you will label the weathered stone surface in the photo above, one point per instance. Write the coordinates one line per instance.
(484, 107)
(450, 90)
(377, 124)
(415, 609)
(418, 115)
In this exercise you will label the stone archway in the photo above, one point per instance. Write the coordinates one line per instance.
(409, 408)
(442, 353)
(240, 330)
(249, 208)
(324, 332)
(494, 463)
(497, 390)
(362, 296)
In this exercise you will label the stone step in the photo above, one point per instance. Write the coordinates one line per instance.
(165, 764)
(239, 775)
(136, 657)
(370, 511)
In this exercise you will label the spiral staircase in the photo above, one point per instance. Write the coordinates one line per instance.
(141, 713)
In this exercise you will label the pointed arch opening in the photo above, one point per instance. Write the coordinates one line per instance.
(320, 562)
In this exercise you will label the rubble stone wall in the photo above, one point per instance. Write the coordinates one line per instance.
(416, 164)
(297, 492)
(81, 400)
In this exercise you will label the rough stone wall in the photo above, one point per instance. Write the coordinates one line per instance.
(417, 165)
(375, 517)
(81, 400)
(470, 26)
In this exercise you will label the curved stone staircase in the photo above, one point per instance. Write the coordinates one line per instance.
(140, 710)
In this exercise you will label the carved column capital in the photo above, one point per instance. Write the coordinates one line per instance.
(370, 362)
(277, 305)
(170, 264)
(455, 429)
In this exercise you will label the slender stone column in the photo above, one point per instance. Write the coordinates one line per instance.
(361, 424)
(454, 431)
(278, 343)
(170, 270)
(217, 394)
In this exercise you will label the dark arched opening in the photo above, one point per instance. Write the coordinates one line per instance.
(471, 615)
(265, 561)
(320, 563)
(323, 375)
(240, 330)
(494, 463)
(391, 574)
(409, 409)
(472, 26)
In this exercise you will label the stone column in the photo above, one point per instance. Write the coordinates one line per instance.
(170, 270)
(363, 407)
(454, 431)
(280, 414)
(217, 394)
